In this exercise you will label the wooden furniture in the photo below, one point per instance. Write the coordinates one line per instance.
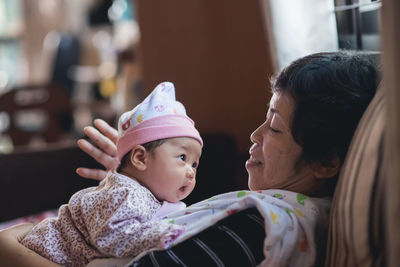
(37, 180)
(37, 112)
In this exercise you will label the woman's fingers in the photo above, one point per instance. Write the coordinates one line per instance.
(106, 129)
(105, 153)
(94, 174)
(110, 162)
(103, 142)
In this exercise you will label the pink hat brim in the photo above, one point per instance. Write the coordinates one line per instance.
(168, 126)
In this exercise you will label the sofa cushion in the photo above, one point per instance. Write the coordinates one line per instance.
(355, 234)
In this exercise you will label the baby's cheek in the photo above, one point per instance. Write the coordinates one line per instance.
(190, 189)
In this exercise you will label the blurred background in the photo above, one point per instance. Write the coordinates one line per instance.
(61, 63)
(64, 63)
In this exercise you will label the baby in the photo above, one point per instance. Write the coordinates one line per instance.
(159, 149)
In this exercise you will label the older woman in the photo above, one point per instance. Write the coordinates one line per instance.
(316, 105)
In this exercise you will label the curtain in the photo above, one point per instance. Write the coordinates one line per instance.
(298, 28)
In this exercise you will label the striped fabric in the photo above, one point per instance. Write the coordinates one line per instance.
(355, 235)
(234, 241)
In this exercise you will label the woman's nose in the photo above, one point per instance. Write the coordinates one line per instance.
(256, 136)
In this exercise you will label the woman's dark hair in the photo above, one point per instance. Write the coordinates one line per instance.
(149, 146)
(331, 92)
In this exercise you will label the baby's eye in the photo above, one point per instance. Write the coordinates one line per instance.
(182, 157)
(194, 165)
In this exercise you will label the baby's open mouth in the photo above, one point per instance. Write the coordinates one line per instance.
(183, 188)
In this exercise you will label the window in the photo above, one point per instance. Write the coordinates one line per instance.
(358, 24)
(11, 52)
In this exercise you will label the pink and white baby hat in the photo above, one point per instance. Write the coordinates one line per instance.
(159, 116)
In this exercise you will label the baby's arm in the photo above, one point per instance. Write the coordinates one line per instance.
(130, 237)
(118, 219)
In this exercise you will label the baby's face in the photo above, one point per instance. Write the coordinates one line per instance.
(171, 169)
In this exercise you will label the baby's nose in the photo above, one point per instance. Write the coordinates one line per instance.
(190, 173)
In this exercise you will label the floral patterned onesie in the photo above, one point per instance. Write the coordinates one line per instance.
(118, 218)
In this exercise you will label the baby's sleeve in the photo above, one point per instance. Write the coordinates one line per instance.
(131, 237)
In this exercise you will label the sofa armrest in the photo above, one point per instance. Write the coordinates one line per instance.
(33, 181)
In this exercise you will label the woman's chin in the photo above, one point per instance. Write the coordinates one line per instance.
(252, 184)
(255, 177)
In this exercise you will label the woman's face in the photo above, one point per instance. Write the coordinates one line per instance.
(275, 158)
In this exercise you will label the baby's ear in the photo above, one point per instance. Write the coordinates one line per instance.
(326, 170)
(139, 157)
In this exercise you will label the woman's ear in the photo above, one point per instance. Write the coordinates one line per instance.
(326, 170)
(139, 157)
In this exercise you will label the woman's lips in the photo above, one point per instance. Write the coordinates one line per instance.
(252, 161)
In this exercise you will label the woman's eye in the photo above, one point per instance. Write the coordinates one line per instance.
(274, 130)
(182, 157)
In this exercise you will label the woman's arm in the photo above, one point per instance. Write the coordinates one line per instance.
(105, 151)
(12, 253)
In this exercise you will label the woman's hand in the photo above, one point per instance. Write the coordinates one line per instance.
(16, 232)
(13, 253)
(105, 153)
